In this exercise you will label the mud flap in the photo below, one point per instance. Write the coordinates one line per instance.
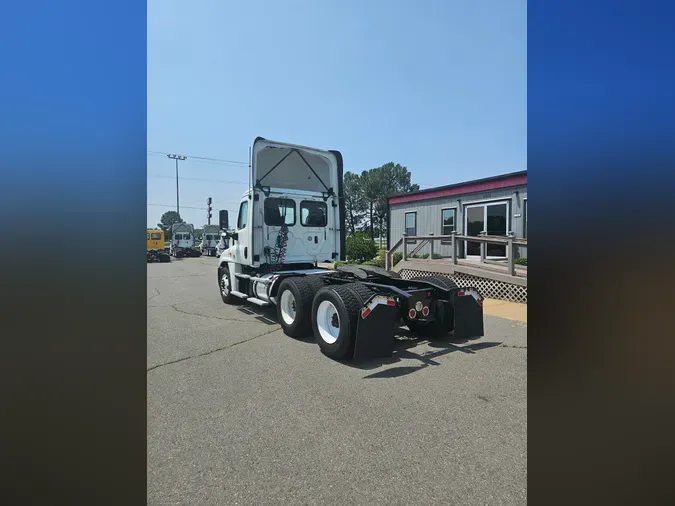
(468, 304)
(375, 329)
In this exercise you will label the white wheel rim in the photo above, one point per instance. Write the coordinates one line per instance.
(328, 321)
(224, 285)
(287, 306)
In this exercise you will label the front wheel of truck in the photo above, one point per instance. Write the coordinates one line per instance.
(225, 286)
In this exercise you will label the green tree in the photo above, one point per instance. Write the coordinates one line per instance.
(360, 247)
(355, 203)
(371, 187)
(377, 185)
(168, 219)
(395, 178)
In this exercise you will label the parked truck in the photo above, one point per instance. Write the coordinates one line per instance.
(155, 248)
(183, 241)
(291, 218)
(223, 243)
(210, 238)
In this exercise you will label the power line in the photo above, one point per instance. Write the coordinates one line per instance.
(205, 158)
(202, 208)
(167, 205)
(204, 180)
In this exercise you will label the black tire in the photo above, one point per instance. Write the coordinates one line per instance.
(303, 289)
(348, 300)
(444, 323)
(228, 298)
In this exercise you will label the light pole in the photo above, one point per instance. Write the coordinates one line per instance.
(177, 157)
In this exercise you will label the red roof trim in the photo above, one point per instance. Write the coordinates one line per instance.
(462, 188)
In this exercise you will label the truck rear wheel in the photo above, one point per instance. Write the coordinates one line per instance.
(294, 304)
(334, 317)
(443, 322)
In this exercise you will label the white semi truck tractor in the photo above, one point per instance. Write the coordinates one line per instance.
(210, 238)
(291, 218)
(183, 241)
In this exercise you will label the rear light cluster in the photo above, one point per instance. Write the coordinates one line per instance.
(419, 308)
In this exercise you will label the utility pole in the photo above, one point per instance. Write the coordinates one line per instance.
(177, 157)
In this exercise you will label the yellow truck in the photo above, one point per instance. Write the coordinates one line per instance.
(156, 251)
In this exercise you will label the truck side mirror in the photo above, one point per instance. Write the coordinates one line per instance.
(224, 222)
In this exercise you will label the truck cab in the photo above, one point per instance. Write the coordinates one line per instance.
(210, 238)
(182, 240)
(155, 249)
(155, 239)
(292, 214)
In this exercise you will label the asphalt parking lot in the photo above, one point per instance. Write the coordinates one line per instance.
(239, 413)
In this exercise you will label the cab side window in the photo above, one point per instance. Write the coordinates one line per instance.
(243, 215)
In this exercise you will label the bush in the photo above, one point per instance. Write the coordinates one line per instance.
(398, 256)
(378, 262)
(360, 247)
(340, 263)
(521, 261)
(425, 256)
(381, 253)
(436, 256)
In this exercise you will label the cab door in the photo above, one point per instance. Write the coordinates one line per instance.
(241, 245)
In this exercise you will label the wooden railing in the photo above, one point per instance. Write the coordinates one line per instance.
(510, 241)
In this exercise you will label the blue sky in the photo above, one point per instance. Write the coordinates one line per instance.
(438, 86)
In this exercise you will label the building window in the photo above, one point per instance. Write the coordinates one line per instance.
(243, 215)
(279, 211)
(313, 214)
(525, 219)
(411, 225)
(491, 218)
(447, 223)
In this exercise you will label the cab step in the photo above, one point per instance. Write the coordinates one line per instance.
(258, 302)
(242, 276)
(239, 294)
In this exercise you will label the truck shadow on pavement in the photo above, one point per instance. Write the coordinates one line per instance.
(405, 343)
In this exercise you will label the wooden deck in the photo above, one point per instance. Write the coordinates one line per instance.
(506, 271)
(490, 269)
